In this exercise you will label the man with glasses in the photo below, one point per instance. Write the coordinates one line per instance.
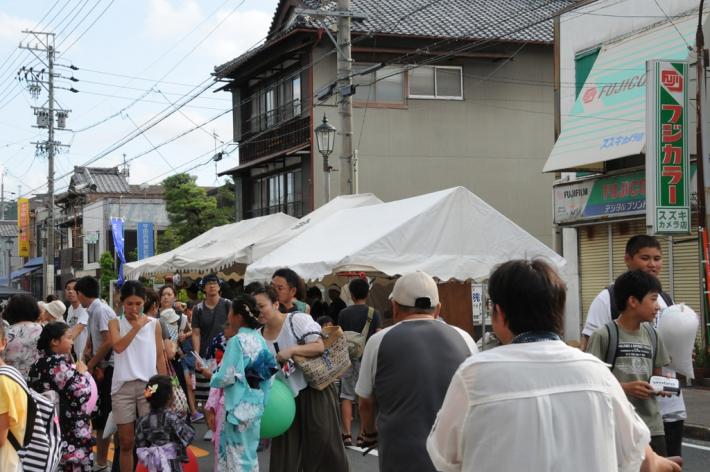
(535, 403)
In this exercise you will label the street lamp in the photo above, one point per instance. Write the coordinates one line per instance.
(325, 140)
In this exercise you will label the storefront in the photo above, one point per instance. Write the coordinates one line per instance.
(606, 211)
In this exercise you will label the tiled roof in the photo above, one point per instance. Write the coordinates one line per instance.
(98, 180)
(8, 228)
(505, 20)
(512, 20)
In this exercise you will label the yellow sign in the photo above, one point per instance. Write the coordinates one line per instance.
(23, 224)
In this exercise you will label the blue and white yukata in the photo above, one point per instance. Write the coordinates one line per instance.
(245, 375)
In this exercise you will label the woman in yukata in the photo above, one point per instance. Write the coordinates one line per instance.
(245, 375)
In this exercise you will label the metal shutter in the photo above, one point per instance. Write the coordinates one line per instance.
(593, 264)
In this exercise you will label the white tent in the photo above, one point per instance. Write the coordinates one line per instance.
(215, 249)
(265, 246)
(451, 234)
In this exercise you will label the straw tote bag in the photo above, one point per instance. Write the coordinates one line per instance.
(323, 369)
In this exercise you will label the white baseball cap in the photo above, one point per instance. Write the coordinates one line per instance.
(56, 309)
(417, 289)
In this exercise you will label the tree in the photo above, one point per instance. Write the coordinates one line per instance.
(227, 200)
(107, 273)
(190, 210)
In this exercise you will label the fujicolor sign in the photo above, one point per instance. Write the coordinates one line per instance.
(667, 148)
(617, 196)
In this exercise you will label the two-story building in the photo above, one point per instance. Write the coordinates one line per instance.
(94, 196)
(600, 198)
(448, 93)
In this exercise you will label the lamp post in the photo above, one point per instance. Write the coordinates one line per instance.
(8, 255)
(325, 140)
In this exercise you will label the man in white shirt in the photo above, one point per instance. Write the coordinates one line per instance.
(77, 319)
(643, 252)
(535, 403)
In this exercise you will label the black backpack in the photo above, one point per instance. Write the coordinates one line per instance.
(613, 331)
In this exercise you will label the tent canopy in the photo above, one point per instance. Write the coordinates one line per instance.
(265, 246)
(213, 250)
(451, 234)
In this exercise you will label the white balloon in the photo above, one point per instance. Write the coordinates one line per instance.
(677, 327)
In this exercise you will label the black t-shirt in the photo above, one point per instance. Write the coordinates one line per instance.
(210, 322)
(354, 317)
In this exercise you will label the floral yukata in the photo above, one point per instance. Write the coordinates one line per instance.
(245, 375)
(55, 372)
(162, 438)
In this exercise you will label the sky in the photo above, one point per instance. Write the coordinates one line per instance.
(135, 60)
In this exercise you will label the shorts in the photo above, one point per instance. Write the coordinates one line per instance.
(103, 405)
(348, 381)
(188, 363)
(129, 403)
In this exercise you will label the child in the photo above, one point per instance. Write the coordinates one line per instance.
(214, 408)
(639, 352)
(245, 377)
(161, 436)
(54, 371)
(13, 410)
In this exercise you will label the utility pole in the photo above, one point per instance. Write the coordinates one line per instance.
(2, 195)
(345, 104)
(700, 156)
(45, 119)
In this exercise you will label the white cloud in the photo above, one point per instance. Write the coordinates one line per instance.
(11, 27)
(166, 19)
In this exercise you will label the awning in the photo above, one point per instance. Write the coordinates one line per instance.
(608, 120)
(34, 262)
(23, 271)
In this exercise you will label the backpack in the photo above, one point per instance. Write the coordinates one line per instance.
(613, 330)
(41, 447)
(356, 341)
(615, 311)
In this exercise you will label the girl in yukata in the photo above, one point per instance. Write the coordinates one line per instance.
(76, 392)
(245, 375)
(162, 436)
(214, 407)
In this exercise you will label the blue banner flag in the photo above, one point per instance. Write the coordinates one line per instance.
(118, 244)
(146, 243)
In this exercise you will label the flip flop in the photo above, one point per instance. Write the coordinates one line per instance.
(347, 439)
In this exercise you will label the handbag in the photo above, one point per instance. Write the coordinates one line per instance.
(178, 404)
(323, 369)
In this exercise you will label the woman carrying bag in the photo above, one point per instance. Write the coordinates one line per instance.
(138, 356)
(313, 441)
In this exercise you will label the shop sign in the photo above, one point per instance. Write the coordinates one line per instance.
(617, 196)
(477, 304)
(667, 148)
(23, 226)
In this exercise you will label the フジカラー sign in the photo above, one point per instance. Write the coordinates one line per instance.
(23, 225)
(667, 148)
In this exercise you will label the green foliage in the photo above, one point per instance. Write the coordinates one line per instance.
(702, 357)
(107, 273)
(227, 201)
(167, 240)
(132, 256)
(190, 210)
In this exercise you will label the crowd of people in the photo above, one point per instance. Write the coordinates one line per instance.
(426, 397)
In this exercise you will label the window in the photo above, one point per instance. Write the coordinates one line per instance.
(270, 104)
(278, 192)
(436, 82)
(385, 85)
(92, 248)
(296, 95)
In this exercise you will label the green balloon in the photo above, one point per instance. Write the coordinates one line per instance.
(279, 412)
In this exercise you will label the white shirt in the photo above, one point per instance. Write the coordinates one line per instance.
(672, 408)
(137, 361)
(536, 406)
(76, 316)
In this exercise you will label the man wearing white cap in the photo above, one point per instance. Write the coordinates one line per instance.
(406, 370)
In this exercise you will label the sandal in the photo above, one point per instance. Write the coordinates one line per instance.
(367, 441)
(347, 439)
